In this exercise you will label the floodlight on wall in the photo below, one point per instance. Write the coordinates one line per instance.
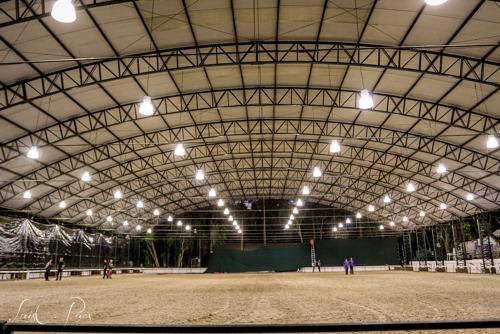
(118, 194)
(306, 191)
(33, 153)
(140, 204)
(62, 205)
(220, 202)
(212, 192)
(109, 219)
(295, 211)
(200, 175)
(299, 202)
(387, 199)
(441, 169)
(366, 100)
(443, 206)
(170, 219)
(89, 212)
(470, 197)
(317, 172)
(435, 2)
(492, 142)
(226, 211)
(146, 108)
(334, 146)
(86, 177)
(410, 187)
(27, 194)
(63, 11)
(358, 215)
(156, 212)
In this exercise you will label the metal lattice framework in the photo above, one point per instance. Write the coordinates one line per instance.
(256, 106)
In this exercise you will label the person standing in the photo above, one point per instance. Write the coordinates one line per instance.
(318, 263)
(60, 268)
(346, 266)
(105, 269)
(110, 268)
(351, 265)
(48, 267)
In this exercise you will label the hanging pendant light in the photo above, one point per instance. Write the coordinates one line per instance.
(156, 212)
(27, 194)
(443, 206)
(334, 229)
(226, 211)
(410, 187)
(109, 219)
(62, 205)
(146, 108)
(358, 215)
(295, 211)
(421, 213)
(387, 199)
(63, 11)
(292, 217)
(348, 220)
(441, 169)
(212, 193)
(371, 208)
(334, 146)
(366, 100)
(435, 2)
(179, 223)
(140, 204)
(470, 197)
(381, 227)
(86, 177)
(317, 172)
(230, 218)
(492, 142)
(179, 150)
(405, 219)
(125, 223)
(392, 223)
(299, 202)
(89, 212)
(200, 175)
(306, 191)
(117, 194)
(33, 153)
(170, 219)
(220, 202)
(149, 230)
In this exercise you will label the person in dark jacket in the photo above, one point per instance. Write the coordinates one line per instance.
(48, 267)
(351, 265)
(105, 269)
(60, 268)
(346, 266)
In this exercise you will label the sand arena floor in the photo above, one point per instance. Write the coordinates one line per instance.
(254, 298)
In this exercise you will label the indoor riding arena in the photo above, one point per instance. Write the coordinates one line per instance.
(250, 166)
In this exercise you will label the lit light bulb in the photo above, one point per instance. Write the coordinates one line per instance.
(290, 222)
(179, 150)
(470, 197)
(435, 2)
(230, 218)
(200, 175)
(492, 142)
(287, 227)
(371, 208)
(387, 199)
(292, 217)
(235, 223)
(237, 227)
(443, 206)
(421, 213)
(156, 212)
(62, 205)
(63, 11)
(146, 108)
(188, 227)
(334, 147)
(226, 211)
(348, 220)
(149, 230)
(118, 194)
(341, 225)
(220, 202)
(334, 229)
(381, 227)
(410, 187)
(138, 228)
(358, 215)
(89, 212)
(109, 219)
(27, 194)
(170, 219)
(212, 193)
(140, 204)
(299, 202)
(33, 153)
(306, 191)
(405, 219)
(240, 231)
(392, 223)
(366, 100)
(317, 172)
(86, 177)
(179, 223)
(441, 169)
(125, 223)
(295, 211)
